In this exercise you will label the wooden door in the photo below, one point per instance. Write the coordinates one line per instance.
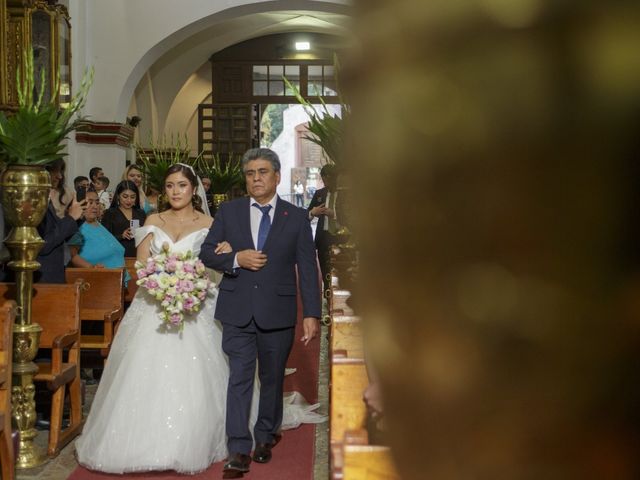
(227, 129)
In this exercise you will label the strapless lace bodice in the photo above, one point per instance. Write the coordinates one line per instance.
(192, 241)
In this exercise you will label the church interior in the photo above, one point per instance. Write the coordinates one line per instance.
(480, 300)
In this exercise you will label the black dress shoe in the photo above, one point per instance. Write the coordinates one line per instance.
(237, 462)
(262, 452)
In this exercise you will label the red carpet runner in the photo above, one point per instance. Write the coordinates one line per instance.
(292, 458)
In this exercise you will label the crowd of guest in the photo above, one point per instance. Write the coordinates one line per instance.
(91, 214)
(90, 224)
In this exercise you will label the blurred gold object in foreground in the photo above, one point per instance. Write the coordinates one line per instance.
(494, 150)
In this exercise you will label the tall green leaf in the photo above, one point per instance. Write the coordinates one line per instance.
(161, 154)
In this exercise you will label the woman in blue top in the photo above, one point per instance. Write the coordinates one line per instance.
(98, 247)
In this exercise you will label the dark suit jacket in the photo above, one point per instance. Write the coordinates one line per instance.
(54, 231)
(318, 199)
(323, 238)
(270, 294)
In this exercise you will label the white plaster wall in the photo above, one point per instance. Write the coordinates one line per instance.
(125, 38)
(162, 42)
(286, 143)
(183, 115)
(285, 146)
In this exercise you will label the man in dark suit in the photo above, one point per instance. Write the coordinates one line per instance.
(322, 206)
(257, 302)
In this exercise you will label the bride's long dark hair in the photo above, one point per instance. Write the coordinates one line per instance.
(187, 171)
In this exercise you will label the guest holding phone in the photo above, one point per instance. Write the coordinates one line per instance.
(323, 207)
(124, 209)
(58, 226)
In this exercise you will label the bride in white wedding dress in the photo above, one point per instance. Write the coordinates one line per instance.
(160, 404)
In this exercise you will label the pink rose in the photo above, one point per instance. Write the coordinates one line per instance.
(189, 302)
(175, 318)
(170, 266)
(151, 283)
(187, 267)
(184, 286)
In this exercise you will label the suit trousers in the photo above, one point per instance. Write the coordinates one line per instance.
(324, 242)
(243, 345)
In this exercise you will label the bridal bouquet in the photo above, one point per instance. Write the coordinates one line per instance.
(179, 281)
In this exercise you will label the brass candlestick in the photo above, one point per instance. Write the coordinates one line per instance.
(25, 193)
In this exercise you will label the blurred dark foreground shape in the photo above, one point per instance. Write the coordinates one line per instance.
(495, 160)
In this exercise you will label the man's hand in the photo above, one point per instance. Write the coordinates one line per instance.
(310, 327)
(251, 259)
(317, 210)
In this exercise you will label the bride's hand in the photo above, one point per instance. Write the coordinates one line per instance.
(223, 247)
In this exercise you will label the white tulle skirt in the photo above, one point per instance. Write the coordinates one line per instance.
(161, 400)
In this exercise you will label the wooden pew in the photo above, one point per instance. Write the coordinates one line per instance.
(351, 455)
(352, 458)
(348, 410)
(346, 337)
(102, 300)
(7, 454)
(348, 377)
(367, 462)
(132, 287)
(56, 308)
(338, 302)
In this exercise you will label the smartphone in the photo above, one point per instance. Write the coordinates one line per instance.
(135, 223)
(81, 194)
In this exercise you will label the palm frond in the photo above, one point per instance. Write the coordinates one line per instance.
(326, 129)
(224, 175)
(161, 154)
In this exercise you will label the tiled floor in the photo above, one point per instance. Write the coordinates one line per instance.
(60, 468)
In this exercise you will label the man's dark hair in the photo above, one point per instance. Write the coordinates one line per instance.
(79, 179)
(328, 170)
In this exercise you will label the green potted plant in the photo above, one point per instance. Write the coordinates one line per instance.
(224, 176)
(30, 138)
(326, 129)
